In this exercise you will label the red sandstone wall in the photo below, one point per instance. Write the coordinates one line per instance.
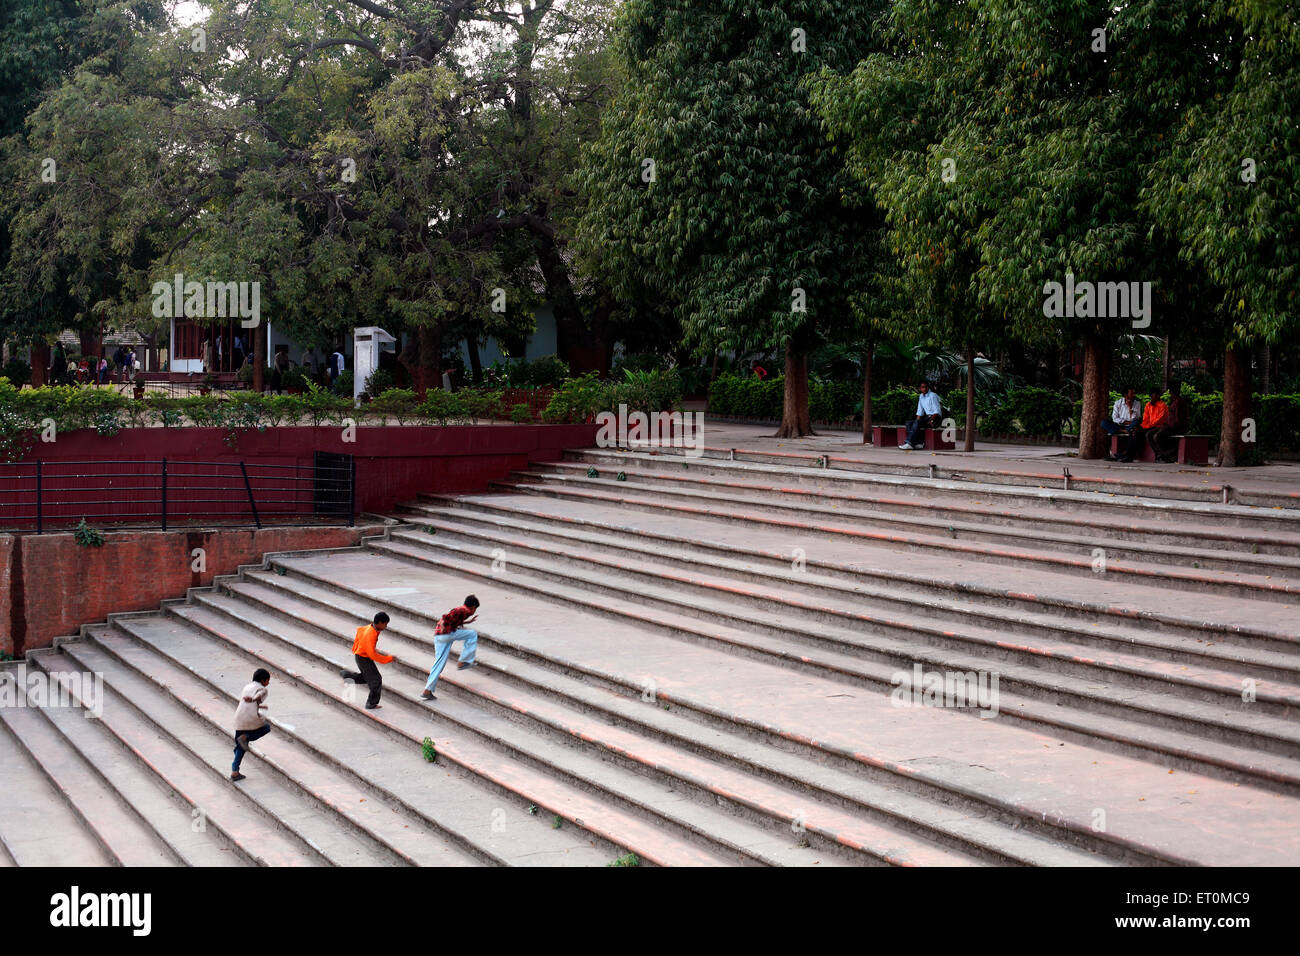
(394, 463)
(64, 585)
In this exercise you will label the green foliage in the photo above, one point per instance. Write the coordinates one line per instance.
(481, 403)
(380, 381)
(894, 407)
(1036, 411)
(547, 370)
(737, 396)
(17, 371)
(343, 384)
(747, 225)
(521, 413)
(576, 400)
(443, 408)
(398, 403)
(428, 749)
(627, 859)
(557, 821)
(87, 536)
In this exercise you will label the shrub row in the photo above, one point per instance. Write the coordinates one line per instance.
(1022, 411)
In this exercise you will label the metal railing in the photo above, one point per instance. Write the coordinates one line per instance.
(41, 495)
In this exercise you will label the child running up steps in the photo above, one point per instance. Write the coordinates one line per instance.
(451, 628)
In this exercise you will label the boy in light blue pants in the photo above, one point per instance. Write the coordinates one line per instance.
(451, 628)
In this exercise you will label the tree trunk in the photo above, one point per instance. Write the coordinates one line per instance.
(1236, 407)
(970, 399)
(866, 393)
(259, 357)
(1096, 395)
(1166, 364)
(795, 420)
(1265, 368)
(40, 364)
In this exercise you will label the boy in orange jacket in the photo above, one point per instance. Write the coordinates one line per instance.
(366, 654)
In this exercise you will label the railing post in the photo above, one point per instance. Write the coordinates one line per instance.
(40, 523)
(164, 494)
(352, 491)
(248, 487)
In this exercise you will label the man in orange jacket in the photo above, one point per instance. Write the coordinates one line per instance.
(366, 654)
(1153, 417)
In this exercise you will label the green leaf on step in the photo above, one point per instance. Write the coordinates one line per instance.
(592, 472)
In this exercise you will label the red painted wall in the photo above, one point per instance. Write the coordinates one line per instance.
(62, 584)
(394, 463)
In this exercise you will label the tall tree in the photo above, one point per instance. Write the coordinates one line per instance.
(712, 181)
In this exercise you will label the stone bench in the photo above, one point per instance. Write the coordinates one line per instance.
(891, 436)
(1192, 449)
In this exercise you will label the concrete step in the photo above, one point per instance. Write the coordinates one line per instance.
(969, 494)
(135, 783)
(1102, 722)
(1216, 624)
(982, 765)
(424, 810)
(810, 519)
(38, 828)
(359, 807)
(124, 834)
(1146, 483)
(612, 807)
(705, 825)
(1176, 552)
(145, 721)
(1196, 644)
(409, 637)
(723, 581)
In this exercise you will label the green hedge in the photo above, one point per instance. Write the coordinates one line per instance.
(579, 399)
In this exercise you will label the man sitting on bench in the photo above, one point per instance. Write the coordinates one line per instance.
(928, 414)
(1124, 418)
(1164, 440)
(1153, 416)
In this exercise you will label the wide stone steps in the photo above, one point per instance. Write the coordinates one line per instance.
(1190, 539)
(1268, 576)
(547, 745)
(38, 827)
(657, 742)
(128, 839)
(359, 807)
(975, 763)
(722, 580)
(1165, 726)
(382, 785)
(1144, 483)
(1208, 646)
(1187, 625)
(1221, 524)
(616, 806)
(272, 821)
(134, 782)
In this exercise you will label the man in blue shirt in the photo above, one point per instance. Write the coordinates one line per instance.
(928, 412)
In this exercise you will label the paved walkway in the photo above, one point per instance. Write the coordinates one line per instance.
(1046, 460)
